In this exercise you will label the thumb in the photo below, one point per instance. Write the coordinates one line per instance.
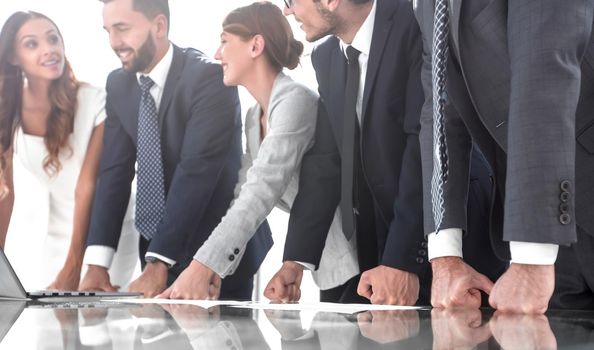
(481, 282)
(166, 294)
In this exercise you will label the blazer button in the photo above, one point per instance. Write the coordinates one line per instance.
(564, 208)
(422, 252)
(420, 260)
(424, 244)
(565, 185)
(564, 219)
(231, 257)
(564, 196)
(236, 251)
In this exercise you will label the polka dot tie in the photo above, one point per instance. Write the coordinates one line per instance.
(150, 193)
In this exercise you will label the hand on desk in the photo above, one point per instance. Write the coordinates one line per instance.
(387, 285)
(389, 326)
(68, 278)
(455, 284)
(513, 331)
(285, 285)
(97, 279)
(152, 281)
(197, 281)
(524, 289)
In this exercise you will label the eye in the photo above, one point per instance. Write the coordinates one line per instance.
(53, 39)
(30, 44)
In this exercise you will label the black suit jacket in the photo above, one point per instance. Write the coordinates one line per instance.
(201, 144)
(389, 146)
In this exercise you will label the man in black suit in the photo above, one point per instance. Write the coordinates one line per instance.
(198, 128)
(520, 84)
(386, 204)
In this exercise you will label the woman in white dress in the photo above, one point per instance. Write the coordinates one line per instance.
(54, 125)
(256, 44)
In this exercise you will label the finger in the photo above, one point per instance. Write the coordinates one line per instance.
(166, 294)
(483, 283)
(364, 288)
(214, 290)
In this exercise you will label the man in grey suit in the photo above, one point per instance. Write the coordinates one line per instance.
(520, 83)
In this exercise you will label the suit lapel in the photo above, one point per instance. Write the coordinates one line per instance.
(173, 76)
(338, 83)
(253, 131)
(381, 30)
(455, 6)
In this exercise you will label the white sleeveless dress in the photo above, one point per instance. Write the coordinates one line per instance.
(50, 257)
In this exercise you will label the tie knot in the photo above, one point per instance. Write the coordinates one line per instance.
(146, 83)
(352, 54)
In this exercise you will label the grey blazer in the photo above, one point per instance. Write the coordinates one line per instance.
(269, 177)
(521, 84)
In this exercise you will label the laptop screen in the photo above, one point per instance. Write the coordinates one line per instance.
(10, 286)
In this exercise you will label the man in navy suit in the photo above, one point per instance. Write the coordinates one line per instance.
(199, 129)
(387, 193)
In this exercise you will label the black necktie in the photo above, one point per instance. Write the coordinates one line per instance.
(150, 192)
(440, 155)
(348, 143)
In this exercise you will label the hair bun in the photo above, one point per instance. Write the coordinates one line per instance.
(295, 51)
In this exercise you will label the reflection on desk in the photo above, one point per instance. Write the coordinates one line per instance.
(173, 327)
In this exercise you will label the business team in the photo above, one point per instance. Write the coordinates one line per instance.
(443, 129)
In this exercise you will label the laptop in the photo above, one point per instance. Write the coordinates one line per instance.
(12, 288)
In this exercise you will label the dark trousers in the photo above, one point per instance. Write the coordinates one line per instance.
(236, 291)
(574, 275)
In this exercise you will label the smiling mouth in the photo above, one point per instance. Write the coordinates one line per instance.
(51, 62)
(123, 54)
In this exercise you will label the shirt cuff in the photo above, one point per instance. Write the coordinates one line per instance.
(99, 255)
(533, 253)
(162, 258)
(447, 242)
(310, 267)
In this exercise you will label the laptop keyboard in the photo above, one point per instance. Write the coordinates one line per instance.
(51, 293)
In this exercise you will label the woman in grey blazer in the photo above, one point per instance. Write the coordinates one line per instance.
(256, 44)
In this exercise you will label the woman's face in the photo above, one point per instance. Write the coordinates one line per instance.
(39, 50)
(236, 58)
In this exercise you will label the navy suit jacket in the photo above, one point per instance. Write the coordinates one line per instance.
(392, 101)
(200, 124)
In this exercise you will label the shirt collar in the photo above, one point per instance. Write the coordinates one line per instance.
(362, 40)
(159, 73)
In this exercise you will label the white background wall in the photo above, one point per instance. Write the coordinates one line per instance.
(193, 23)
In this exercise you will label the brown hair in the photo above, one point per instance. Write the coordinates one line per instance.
(149, 8)
(62, 95)
(266, 19)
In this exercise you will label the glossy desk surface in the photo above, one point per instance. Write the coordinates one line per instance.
(128, 326)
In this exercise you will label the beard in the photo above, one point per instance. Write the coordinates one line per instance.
(332, 23)
(142, 57)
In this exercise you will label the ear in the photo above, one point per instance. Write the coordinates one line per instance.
(258, 45)
(13, 60)
(332, 5)
(161, 26)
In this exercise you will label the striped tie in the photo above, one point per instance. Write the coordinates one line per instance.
(440, 155)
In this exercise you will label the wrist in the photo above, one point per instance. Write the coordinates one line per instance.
(445, 261)
(156, 265)
(293, 265)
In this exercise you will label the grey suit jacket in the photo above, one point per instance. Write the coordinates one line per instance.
(269, 177)
(521, 84)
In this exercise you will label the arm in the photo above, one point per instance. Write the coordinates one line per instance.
(546, 43)
(6, 202)
(208, 141)
(292, 123)
(454, 283)
(318, 196)
(69, 276)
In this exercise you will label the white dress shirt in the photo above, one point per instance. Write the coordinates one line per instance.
(103, 255)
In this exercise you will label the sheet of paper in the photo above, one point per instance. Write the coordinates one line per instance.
(202, 303)
(325, 307)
